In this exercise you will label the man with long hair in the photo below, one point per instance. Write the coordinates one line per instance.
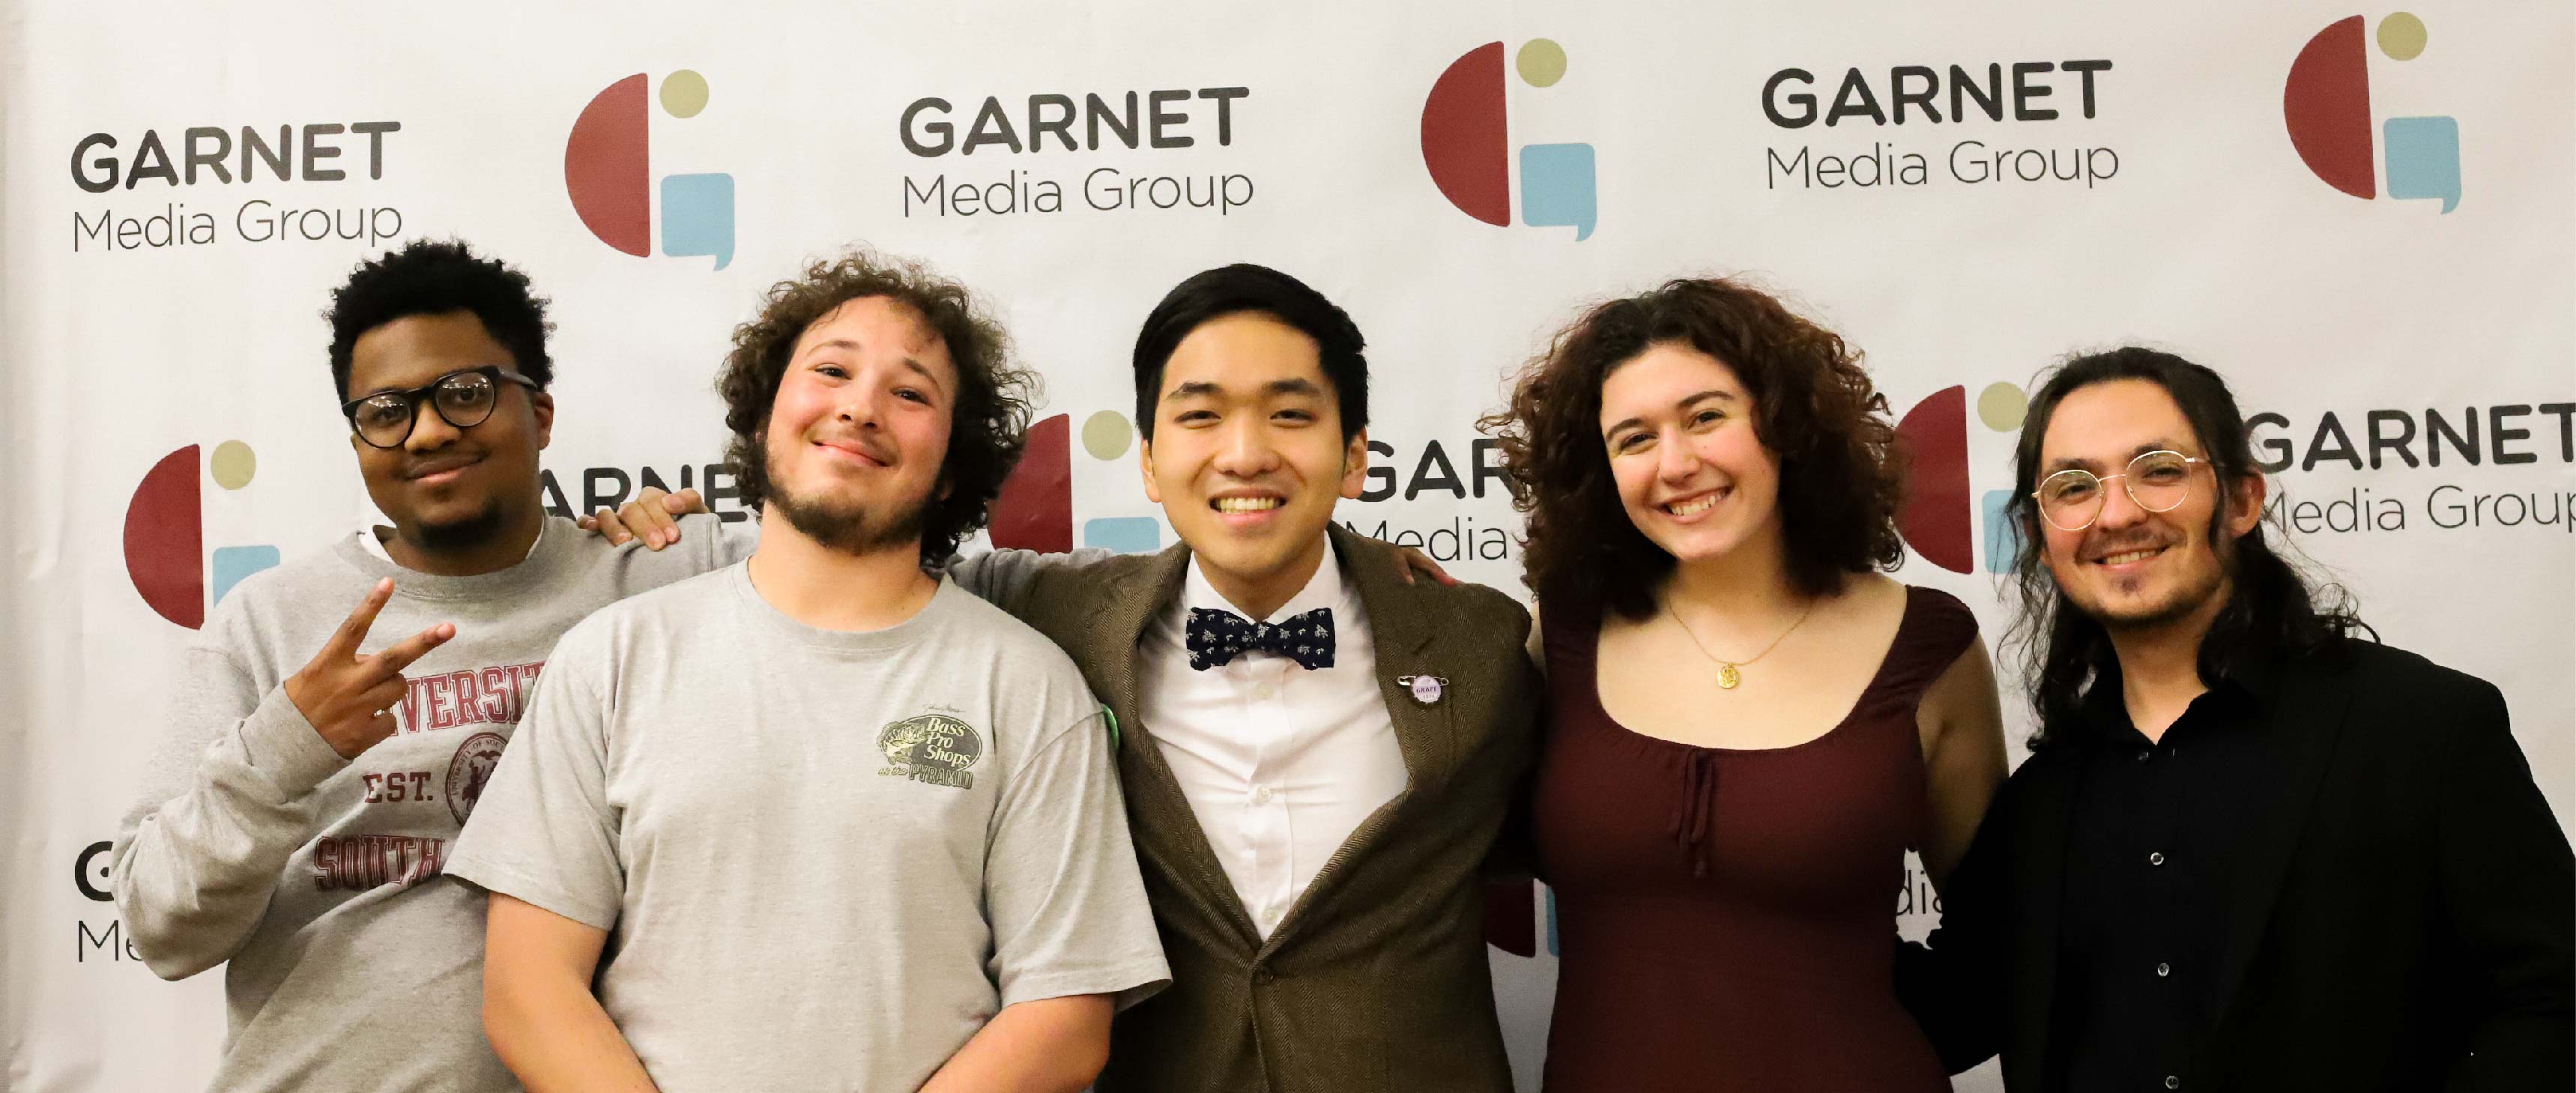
(2251, 850)
(849, 826)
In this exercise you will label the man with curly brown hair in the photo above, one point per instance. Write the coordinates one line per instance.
(823, 773)
(1318, 751)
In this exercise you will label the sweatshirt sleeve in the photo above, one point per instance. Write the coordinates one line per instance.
(228, 798)
(734, 541)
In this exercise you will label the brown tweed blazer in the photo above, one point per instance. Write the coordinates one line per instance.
(1376, 981)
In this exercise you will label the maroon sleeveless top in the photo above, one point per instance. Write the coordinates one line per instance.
(1726, 919)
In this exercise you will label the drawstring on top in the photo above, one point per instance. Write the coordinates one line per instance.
(1696, 811)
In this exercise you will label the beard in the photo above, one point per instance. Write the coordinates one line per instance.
(847, 526)
(2191, 593)
(2179, 604)
(463, 533)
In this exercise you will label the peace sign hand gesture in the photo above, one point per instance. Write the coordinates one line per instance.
(349, 697)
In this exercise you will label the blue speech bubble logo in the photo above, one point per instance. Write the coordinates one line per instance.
(697, 216)
(1557, 187)
(231, 564)
(1124, 534)
(2003, 536)
(2424, 159)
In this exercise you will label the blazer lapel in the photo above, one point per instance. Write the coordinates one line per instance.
(2040, 873)
(1166, 829)
(1132, 604)
(1401, 641)
(1402, 638)
(2304, 722)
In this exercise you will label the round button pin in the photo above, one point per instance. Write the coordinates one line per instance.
(1426, 689)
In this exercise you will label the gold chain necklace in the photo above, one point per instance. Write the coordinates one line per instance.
(1728, 671)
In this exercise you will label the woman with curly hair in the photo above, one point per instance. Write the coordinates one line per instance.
(1750, 724)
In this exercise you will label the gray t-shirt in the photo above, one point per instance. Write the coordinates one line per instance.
(350, 962)
(825, 859)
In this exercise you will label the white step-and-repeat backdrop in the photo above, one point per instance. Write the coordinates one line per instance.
(2361, 215)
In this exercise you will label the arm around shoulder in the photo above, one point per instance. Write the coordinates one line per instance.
(1005, 577)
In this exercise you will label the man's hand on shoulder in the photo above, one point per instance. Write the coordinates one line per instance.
(1410, 560)
(652, 516)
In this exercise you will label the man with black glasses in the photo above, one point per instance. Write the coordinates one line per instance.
(319, 760)
(2250, 850)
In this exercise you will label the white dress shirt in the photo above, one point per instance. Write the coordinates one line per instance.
(1280, 763)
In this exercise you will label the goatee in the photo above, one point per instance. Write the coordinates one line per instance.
(848, 527)
(463, 534)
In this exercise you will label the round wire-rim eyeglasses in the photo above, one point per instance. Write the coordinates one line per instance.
(2159, 481)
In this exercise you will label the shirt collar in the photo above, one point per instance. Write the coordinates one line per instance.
(2248, 688)
(1324, 589)
(367, 540)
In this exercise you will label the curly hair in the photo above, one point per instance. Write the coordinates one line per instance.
(430, 277)
(990, 418)
(1842, 473)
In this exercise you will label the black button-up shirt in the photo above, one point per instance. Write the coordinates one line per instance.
(2150, 848)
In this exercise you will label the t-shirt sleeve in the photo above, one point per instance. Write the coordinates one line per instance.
(543, 831)
(1068, 907)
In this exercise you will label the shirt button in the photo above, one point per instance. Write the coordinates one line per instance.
(2163, 970)
(1265, 692)
(2156, 857)
(1261, 795)
(2145, 754)
(2172, 1082)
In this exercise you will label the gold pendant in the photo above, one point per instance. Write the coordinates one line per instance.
(1728, 677)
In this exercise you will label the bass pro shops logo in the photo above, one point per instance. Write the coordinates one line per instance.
(608, 174)
(933, 748)
(2326, 105)
(1466, 144)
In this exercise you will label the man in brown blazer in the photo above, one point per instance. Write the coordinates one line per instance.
(1317, 753)
(1313, 826)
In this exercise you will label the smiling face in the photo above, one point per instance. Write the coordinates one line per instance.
(1692, 473)
(443, 487)
(859, 429)
(2134, 568)
(1248, 455)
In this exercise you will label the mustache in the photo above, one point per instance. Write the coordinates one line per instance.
(444, 461)
(2143, 539)
(872, 446)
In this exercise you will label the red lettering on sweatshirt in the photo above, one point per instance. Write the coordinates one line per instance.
(360, 862)
(472, 696)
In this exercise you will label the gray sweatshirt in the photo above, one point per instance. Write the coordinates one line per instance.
(354, 963)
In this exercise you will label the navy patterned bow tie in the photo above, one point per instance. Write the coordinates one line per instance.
(1217, 637)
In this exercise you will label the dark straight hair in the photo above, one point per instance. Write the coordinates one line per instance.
(2273, 608)
(1241, 287)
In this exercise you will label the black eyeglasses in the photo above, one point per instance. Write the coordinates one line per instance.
(463, 399)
